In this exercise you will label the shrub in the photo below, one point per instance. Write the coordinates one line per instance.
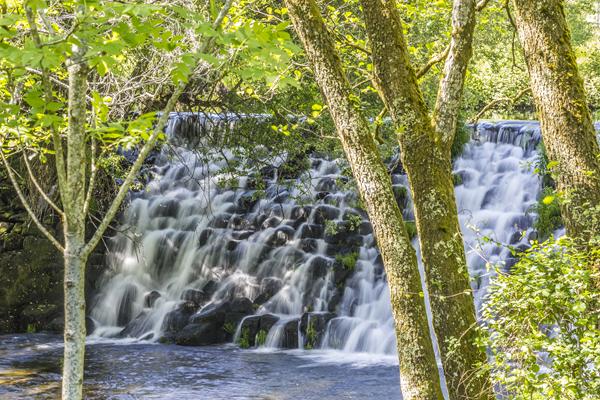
(348, 260)
(549, 218)
(261, 337)
(543, 324)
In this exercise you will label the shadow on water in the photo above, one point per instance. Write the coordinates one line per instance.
(30, 369)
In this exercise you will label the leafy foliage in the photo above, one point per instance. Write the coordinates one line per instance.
(543, 323)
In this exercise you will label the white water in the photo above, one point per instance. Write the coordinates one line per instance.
(186, 231)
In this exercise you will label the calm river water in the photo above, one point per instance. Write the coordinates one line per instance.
(30, 369)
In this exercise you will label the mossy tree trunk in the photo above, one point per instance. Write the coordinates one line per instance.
(560, 99)
(425, 153)
(418, 372)
(73, 199)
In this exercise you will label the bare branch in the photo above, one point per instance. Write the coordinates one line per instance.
(481, 5)
(27, 206)
(39, 187)
(434, 60)
(92, 180)
(148, 146)
(509, 100)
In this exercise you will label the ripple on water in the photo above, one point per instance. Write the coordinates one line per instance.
(30, 368)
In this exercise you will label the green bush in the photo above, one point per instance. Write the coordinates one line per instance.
(548, 210)
(261, 337)
(348, 260)
(543, 324)
(411, 229)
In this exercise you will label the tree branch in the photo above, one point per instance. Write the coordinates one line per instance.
(509, 100)
(481, 5)
(26, 205)
(39, 187)
(148, 146)
(434, 60)
(448, 102)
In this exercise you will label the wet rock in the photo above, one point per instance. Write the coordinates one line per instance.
(125, 312)
(195, 296)
(175, 320)
(247, 201)
(309, 245)
(238, 222)
(326, 184)
(515, 238)
(340, 273)
(334, 302)
(241, 235)
(271, 222)
(210, 287)
(293, 166)
(267, 321)
(231, 245)
(268, 172)
(204, 236)
(301, 213)
(365, 228)
(281, 197)
(318, 267)
(312, 231)
(489, 197)
(324, 213)
(225, 312)
(166, 208)
(290, 335)
(150, 298)
(268, 288)
(280, 236)
(249, 327)
(343, 233)
(313, 326)
(200, 334)
(220, 221)
(135, 327)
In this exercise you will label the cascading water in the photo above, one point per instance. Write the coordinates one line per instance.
(291, 265)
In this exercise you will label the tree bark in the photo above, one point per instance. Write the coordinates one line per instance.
(418, 372)
(566, 122)
(425, 153)
(74, 230)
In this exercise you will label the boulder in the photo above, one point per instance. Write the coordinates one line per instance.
(311, 231)
(268, 288)
(196, 296)
(175, 320)
(125, 312)
(290, 335)
(150, 298)
(313, 326)
(324, 213)
(200, 334)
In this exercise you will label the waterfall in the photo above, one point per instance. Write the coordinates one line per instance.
(198, 261)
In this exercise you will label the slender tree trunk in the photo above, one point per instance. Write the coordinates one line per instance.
(566, 123)
(74, 231)
(74, 335)
(418, 372)
(425, 153)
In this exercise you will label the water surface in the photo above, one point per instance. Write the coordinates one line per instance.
(30, 369)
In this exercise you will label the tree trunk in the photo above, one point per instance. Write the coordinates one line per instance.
(74, 230)
(418, 372)
(425, 154)
(566, 123)
(74, 335)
